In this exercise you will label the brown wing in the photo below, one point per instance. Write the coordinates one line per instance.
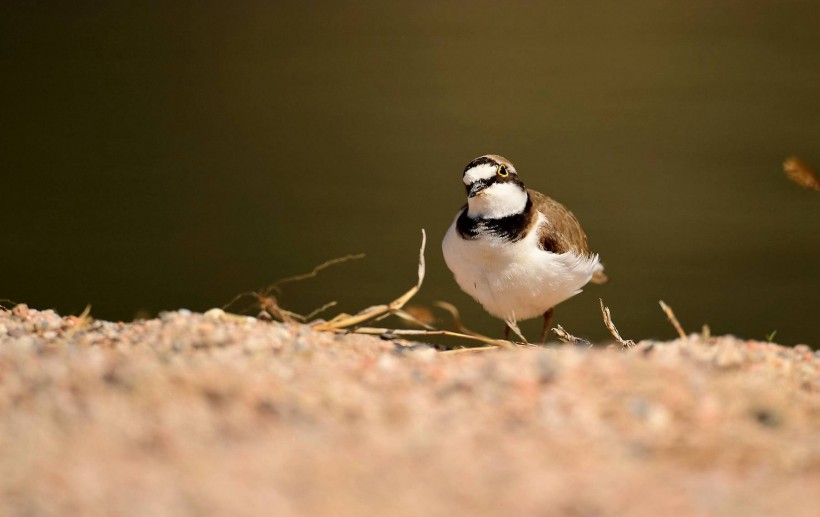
(562, 232)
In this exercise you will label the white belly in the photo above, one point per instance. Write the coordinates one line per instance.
(515, 280)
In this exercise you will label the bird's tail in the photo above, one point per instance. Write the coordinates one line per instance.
(599, 277)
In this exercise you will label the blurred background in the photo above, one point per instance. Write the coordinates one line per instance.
(173, 155)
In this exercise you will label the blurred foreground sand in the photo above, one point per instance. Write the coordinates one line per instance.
(192, 414)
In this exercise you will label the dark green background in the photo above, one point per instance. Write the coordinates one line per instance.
(156, 156)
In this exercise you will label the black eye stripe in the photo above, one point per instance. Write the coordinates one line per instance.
(509, 178)
(486, 183)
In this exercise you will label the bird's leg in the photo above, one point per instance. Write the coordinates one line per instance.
(547, 321)
(506, 332)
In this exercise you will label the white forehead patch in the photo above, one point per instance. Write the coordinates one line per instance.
(484, 171)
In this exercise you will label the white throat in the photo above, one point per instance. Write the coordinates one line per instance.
(497, 200)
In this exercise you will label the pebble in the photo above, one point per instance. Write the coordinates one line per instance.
(255, 345)
(729, 355)
(25, 342)
(21, 310)
(387, 362)
(547, 369)
(426, 355)
(215, 314)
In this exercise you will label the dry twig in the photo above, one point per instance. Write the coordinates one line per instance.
(344, 320)
(315, 271)
(319, 310)
(11, 303)
(514, 327)
(82, 321)
(406, 316)
(625, 343)
(672, 319)
(343, 323)
(456, 315)
(399, 333)
(269, 304)
(454, 351)
(566, 337)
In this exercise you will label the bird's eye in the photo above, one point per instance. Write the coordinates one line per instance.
(502, 171)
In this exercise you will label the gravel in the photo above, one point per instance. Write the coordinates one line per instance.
(206, 414)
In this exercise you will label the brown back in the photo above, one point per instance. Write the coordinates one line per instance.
(562, 232)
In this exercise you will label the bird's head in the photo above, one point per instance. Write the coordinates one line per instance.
(493, 188)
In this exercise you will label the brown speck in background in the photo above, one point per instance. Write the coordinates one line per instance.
(801, 173)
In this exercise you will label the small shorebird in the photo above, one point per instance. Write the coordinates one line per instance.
(516, 251)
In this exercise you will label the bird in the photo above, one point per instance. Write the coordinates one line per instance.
(516, 251)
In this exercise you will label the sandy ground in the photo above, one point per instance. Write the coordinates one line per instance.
(213, 414)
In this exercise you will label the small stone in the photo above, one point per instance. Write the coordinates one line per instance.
(729, 355)
(255, 345)
(546, 366)
(25, 342)
(387, 362)
(215, 314)
(767, 417)
(425, 354)
(21, 310)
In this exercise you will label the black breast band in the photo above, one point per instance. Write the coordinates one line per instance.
(511, 228)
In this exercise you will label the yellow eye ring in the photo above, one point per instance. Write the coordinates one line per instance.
(502, 171)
